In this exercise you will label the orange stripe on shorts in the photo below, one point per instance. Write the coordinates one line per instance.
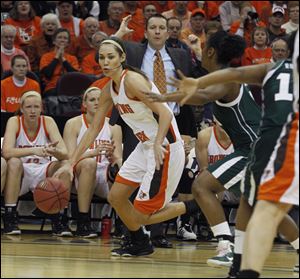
(273, 189)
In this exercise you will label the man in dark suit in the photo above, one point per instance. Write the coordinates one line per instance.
(142, 56)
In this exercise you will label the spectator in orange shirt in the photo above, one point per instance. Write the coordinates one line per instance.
(22, 16)
(149, 10)
(180, 10)
(115, 11)
(210, 8)
(197, 22)
(261, 7)
(8, 51)
(55, 63)
(14, 86)
(84, 42)
(89, 64)
(259, 53)
(161, 6)
(42, 43)
(67, 20)
(248, 21)
(137, 22)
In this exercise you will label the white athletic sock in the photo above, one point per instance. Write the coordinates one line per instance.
(11, 204)
(221, 229)
(295, 244)
(239, 242)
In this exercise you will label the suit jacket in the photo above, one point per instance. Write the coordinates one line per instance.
(181, 58)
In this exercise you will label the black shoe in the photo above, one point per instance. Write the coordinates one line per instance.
(10, 222)
(59, 228)
(160, 241)
(84, 229)
(134, 248)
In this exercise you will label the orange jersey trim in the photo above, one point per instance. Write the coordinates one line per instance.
(127, 182)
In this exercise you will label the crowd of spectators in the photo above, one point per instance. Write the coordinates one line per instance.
(29, 28)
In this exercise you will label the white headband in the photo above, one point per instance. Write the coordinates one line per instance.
(113, 43)
(30, 94)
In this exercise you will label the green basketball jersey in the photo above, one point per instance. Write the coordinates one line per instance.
(239, 118)
(277, 95)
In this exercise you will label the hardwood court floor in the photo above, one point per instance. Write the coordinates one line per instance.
(41, 255)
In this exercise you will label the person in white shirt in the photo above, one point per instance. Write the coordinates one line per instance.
(293, 23)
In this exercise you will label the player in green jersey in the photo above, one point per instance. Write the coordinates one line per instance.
(239, 116)
(278, 129)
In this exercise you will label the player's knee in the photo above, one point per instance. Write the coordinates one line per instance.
(197, 189)
(14, 165)
(89, 165)
(114, 199)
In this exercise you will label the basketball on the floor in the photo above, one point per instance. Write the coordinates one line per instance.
(51, 195)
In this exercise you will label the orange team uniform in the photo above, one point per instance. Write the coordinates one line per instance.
(137, 23)
(25, 30)
(253, 56)
(11, 94)
(247, 31)
(70, 26)
(59, 70)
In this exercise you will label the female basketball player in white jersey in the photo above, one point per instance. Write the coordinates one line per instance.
(156, 164)
(30, 141)
(91, 170)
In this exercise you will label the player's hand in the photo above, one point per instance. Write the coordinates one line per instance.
(66, 169)
(159, 155)
(107, 149)
(41, 151)
(51, 149)
(184, 85)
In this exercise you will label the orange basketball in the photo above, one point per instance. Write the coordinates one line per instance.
(51, 195)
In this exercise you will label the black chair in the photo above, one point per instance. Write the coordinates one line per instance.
(70, 88)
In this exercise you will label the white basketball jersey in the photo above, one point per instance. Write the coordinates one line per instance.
(41, 139)
(140, 118)
(103, 136)
(216, 151)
